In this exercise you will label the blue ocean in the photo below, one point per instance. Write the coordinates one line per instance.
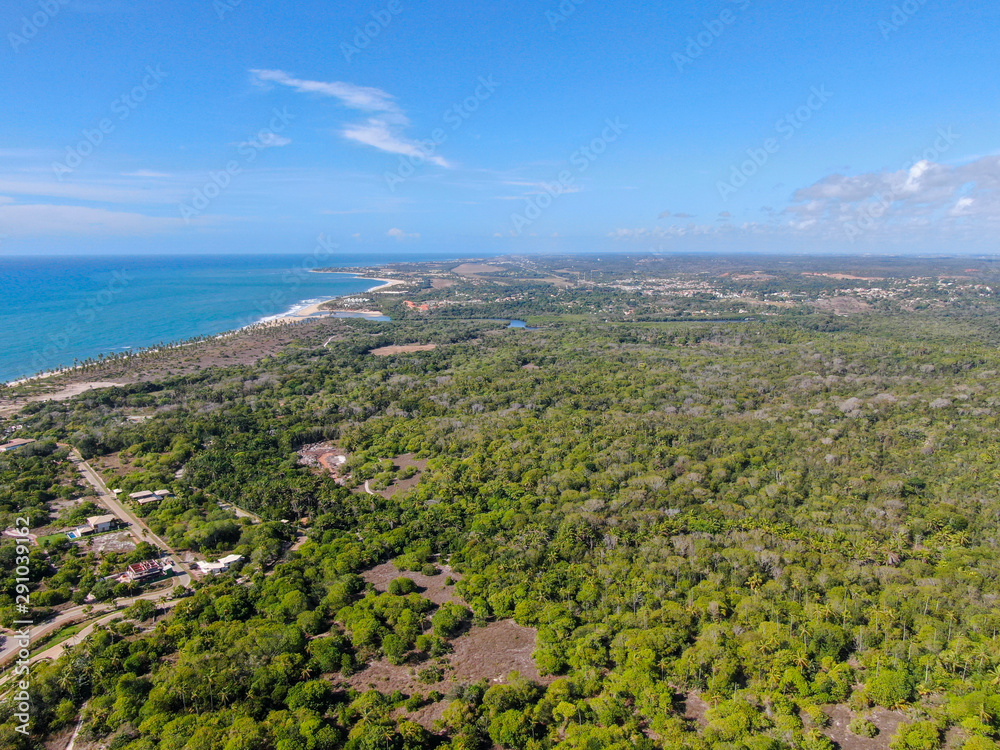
(59, 310)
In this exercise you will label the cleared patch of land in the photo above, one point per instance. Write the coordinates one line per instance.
(387, 351)
(843, 305)
(840, 716)
(61, 394)
(845, 276)
(474, 269)
(429, 587)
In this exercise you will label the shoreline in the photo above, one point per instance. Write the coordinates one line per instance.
(314, 309)
(305, 310)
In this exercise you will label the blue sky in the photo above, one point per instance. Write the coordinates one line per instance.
(481, 128)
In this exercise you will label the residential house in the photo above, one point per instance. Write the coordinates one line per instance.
(100, 524)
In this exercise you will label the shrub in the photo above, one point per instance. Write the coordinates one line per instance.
(402, 586)
(890, 688)
(817, 716)
(920, 735)
(862, 727)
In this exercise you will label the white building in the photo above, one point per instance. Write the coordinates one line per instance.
(102, 523)
(219, 566)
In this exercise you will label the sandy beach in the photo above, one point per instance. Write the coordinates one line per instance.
(316, 309)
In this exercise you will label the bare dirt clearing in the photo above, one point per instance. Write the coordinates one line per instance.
(325, 457)
(399, 486)
(59, 394)
(840, 717)
(489, 653)
(482, 653)
(475, 269)
(842, 305)
(387, 351)
(429, 587)
(119, 541)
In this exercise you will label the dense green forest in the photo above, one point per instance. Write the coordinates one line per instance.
(783, 518)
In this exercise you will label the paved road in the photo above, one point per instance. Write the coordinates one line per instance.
(75, 614)
(144, 533)
(54, 652)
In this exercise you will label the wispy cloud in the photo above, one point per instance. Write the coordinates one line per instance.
(48, 220)
(104, 191)
(383, 130)
(267, 139)
(400, 235)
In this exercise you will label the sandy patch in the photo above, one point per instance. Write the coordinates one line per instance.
(399, 486)
(429, 587)
(842, 305)
(119, 541)
(386, 351)
(489, 653)
(472, 269)
(13, 406)
(840, 717)
(844, 276)
(441, 283)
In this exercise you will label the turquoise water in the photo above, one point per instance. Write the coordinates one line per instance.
(57, 310)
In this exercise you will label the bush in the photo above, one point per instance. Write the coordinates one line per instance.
(394, 649)
(449, 619)
(429, 569)
(920, 735)
(817, 716)
(890, 688)
(402, 586)
(862, 727)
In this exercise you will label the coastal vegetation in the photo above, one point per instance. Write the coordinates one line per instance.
(727, 526)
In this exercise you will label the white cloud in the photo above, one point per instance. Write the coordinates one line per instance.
(925, 206)
(383, 130)
(102, 192)
(378, 134)
(267, 139)
(399, 235)
(365, 98)
(45, 220)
